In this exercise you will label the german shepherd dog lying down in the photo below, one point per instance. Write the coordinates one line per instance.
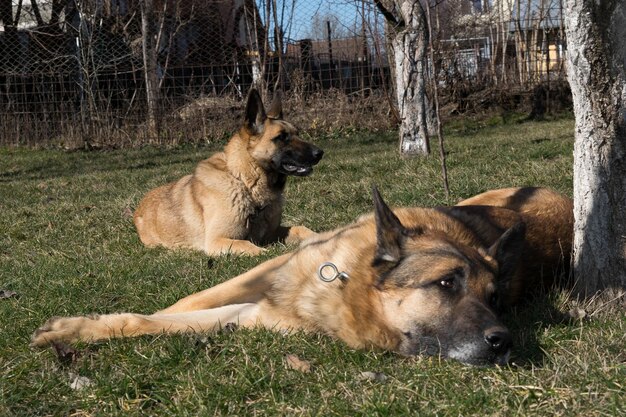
(410, 280)
(233, 201)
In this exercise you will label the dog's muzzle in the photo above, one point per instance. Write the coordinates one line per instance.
(299, 164)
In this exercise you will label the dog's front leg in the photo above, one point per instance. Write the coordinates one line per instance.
(293, 235)
(91, 328)
(221, 246)
(249, 287)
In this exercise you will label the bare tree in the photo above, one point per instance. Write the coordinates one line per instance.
(596, 35)
(408, 36)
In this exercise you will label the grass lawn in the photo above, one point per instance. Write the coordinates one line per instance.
(68, 247)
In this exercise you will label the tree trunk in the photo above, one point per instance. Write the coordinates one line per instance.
(406, 26)
(150, 65)
(409, 47)
(596, 36)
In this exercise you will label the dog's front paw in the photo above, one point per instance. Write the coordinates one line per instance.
(251, 249)
(297, 234)
(57, 329)
(230, 246)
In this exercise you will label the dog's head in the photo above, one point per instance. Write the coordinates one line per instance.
(274, 143)
(441, 296)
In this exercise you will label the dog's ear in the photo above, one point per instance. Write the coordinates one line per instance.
(276, 109)
(507, 250)
(255, 112)
(390, 234)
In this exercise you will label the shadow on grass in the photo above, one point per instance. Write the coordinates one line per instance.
(527, 322)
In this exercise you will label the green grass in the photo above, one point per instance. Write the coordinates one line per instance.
(68, 247)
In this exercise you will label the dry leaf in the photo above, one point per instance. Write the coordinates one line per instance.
(210, 263)
(7, 294)
(201, 341)
(66, 354)
(229, 328)
(297, 364)
(127, 213)
(78, 382)
(577, 313)
(372, 376)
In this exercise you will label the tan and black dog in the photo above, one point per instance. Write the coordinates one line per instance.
(233, 200)
(411, 280)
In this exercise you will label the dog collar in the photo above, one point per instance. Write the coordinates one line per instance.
(328, 272)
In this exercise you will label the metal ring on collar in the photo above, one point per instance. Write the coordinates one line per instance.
(335, 273)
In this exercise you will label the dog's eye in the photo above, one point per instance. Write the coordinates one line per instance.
(451, 280)
(283, 137)
(447, 282)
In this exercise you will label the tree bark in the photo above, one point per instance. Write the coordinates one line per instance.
(407, 28)
(596, 35)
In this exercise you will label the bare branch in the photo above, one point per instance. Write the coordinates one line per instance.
(389, 16)
(36, 12)
(18, 12)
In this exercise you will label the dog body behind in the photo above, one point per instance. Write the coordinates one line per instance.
(411, 280)
(233, 200)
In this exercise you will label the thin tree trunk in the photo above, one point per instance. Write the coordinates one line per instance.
(504, 30)
(438, 129)
(150, 65)
(330, 52)
(257, 62)
(278, 43)
(380, 62)
(260, 83)
(390, 32)
(596, 35)
(519, 45)
(493, 52)
(35, 8)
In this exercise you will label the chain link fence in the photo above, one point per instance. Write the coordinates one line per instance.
(127, 72)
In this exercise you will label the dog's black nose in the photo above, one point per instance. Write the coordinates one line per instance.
(317, 153)
(498, 341)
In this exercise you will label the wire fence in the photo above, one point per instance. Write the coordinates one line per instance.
(128, 72)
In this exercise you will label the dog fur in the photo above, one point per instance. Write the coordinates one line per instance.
(418, 281)
(233, 200)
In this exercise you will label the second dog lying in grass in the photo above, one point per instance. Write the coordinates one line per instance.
(233, 200)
